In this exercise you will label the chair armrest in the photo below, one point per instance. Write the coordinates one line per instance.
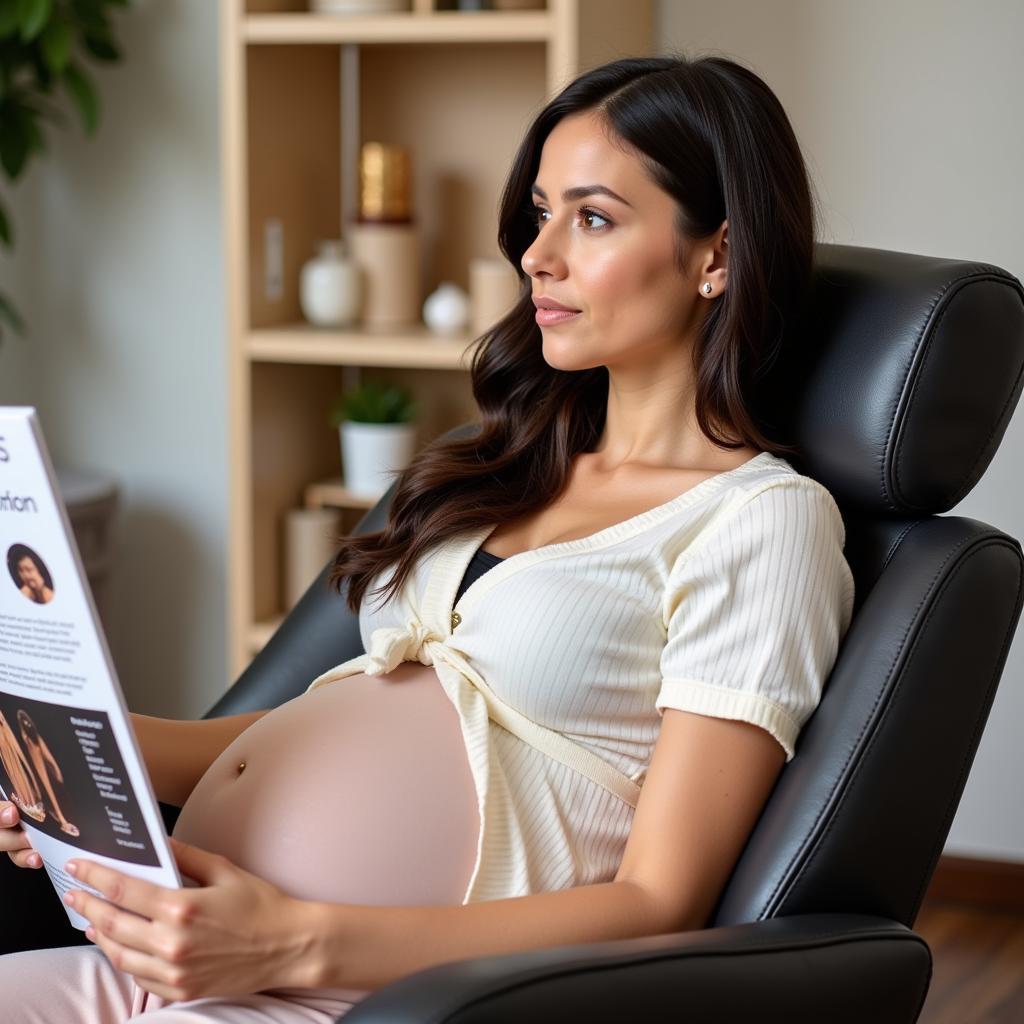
(840, 968)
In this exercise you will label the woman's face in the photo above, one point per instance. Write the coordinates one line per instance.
(29, 573)
(613, 259)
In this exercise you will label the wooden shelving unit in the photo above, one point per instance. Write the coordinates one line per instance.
(300, 93)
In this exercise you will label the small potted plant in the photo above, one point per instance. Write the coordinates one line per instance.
(378, 437)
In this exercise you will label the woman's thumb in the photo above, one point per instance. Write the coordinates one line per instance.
(202, 865)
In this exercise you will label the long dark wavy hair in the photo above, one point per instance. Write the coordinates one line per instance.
(712, 135)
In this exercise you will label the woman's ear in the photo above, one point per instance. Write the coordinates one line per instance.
(715, 273)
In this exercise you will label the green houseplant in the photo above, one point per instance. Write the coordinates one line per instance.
(378, 435)
(41, 46)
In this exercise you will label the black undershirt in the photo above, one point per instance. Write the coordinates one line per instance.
(479, 564)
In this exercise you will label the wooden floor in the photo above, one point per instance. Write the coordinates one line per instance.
(978, 964)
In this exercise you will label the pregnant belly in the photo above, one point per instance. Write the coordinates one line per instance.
(357, 792)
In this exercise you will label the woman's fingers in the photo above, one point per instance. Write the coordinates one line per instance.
(13, 840)
(26, 859)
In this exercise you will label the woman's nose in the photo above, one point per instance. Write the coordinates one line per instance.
(543, 257)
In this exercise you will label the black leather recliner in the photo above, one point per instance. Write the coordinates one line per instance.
(907, 372)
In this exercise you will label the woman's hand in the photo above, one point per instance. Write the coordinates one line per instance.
(13, 840)
(236, 934)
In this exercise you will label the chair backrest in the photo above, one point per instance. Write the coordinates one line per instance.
(898, 387)
(907, 372)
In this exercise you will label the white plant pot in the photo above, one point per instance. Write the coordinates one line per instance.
(373, 453)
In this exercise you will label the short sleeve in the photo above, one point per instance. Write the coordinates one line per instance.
(755, 612)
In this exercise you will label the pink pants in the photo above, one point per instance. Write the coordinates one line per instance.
(79, 985)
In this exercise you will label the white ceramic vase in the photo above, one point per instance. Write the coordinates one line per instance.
(373, 453)
(446, 310)
(330, 287)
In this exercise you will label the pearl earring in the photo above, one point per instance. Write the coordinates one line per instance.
(707, 287)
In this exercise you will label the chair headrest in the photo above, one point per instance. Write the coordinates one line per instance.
(905, 372)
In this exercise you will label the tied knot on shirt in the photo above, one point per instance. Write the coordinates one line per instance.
(391, 645)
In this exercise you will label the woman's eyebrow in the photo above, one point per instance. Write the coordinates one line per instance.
(579, 192)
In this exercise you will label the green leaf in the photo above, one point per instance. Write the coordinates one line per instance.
(11, 315)
(34, 15)
(55, 43)
(14, 142)
(36, 143)
(82, 92)
(10, 17)
(374, 402)
(44, 77)
(91, 18)
(102, 48)
(6, 231)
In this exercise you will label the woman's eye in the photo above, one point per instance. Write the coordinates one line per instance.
(585, 213)
(593, 213)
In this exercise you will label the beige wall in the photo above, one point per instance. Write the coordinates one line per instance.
(909, 117)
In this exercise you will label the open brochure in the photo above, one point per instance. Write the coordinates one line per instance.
(68, 754)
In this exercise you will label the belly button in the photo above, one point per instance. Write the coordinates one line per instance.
(241, 767)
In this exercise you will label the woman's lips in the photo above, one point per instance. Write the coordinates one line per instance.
(546, 317)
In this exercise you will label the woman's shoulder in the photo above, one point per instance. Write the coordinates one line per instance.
(768, 496)
(773, 479)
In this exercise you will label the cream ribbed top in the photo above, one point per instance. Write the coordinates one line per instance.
(730, 600)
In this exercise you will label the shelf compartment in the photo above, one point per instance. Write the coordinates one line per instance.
(333, 493)
(293, 445)
(461, 149)
(436, 27)
(413, 347)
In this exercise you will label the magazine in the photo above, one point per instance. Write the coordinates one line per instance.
(69, 758)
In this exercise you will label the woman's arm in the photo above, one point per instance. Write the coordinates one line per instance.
(357, 946)
(178, 752)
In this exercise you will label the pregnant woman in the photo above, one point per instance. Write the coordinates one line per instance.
(592, 632)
